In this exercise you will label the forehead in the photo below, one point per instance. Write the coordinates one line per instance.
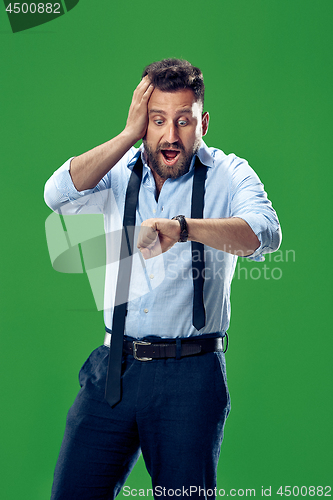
(173, 102)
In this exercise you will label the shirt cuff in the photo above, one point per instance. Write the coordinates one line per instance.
(64, 184)
(268, 233)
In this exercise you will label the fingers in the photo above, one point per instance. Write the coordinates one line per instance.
(137, 120)
(148, 242)
(147, 237)
(145, 88)
(157, 236)
(149, 91)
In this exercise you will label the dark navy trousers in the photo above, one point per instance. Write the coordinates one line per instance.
(172, 410)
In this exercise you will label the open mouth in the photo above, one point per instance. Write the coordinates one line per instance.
(170, 156)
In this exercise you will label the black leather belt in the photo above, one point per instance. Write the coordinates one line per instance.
(143, 350)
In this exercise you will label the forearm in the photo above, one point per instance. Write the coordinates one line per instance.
(232, 235)
(89, 168)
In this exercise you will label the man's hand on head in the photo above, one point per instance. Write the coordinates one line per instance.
(88, 169)
(157, 236)
(137, 120)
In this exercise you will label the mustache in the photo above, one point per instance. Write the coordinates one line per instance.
(168, 145)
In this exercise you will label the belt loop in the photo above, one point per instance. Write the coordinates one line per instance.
(178, 348)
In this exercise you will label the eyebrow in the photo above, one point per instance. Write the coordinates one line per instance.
(161, 112)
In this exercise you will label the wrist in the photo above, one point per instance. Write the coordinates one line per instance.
(191, 226)
(129, 136)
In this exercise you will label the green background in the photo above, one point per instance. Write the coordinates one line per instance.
(66, 87)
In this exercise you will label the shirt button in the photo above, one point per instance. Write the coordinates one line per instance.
(145, 310)
(162, 209)
(154, 211)
(151, 276)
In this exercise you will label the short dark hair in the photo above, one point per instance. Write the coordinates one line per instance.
(170, 75)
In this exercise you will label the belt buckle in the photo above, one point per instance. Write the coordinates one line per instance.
(135, 347)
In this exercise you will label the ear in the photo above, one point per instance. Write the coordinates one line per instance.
(204, 122)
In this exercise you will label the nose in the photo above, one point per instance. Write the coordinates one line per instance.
(172, 133)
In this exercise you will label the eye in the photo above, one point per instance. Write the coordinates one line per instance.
(182, 123)
(158, 121)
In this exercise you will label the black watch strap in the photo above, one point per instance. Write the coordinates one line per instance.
(183, 228)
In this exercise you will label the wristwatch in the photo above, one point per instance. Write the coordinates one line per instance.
(183, 228)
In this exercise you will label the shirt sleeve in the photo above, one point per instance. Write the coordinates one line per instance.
(249, 202)
(62, 197)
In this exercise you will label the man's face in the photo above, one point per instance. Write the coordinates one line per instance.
(174, 132)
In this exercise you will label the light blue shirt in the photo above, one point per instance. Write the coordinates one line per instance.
(161, 290)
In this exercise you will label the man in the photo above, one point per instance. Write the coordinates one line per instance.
(173, 306)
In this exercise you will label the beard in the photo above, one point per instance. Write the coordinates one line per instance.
(180, 168)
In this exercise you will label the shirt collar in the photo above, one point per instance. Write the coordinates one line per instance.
(205, 155)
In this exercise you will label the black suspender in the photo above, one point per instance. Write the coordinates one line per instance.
(113, 385)
(198, 258)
